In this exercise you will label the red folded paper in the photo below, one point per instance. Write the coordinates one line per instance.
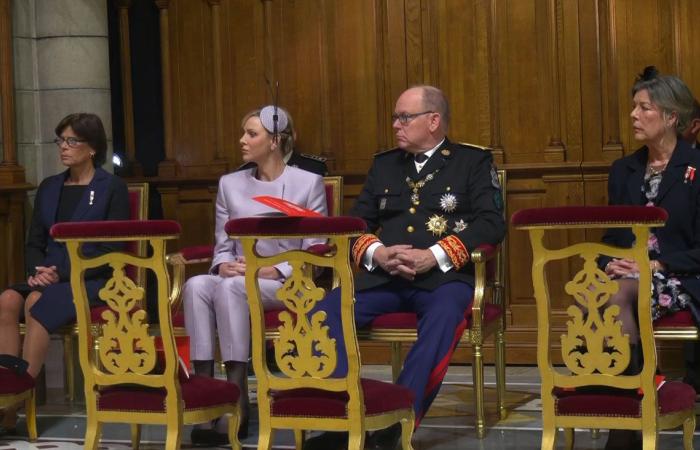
(287, 207)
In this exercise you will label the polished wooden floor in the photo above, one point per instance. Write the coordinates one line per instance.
(449, 424)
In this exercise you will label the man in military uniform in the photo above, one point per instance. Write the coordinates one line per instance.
(431, 202)
(306, 161)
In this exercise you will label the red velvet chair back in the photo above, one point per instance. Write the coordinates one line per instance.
(595, 350)
(334, 195)
(138, 210)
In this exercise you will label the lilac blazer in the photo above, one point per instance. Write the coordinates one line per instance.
(234, 201)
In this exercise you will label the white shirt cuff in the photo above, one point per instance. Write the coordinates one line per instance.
(444, 261)
(367, 261)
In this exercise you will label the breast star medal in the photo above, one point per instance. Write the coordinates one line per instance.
(459, 226)
(448, 202)
(436, 225)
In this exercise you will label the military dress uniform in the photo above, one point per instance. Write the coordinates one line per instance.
(454, 202)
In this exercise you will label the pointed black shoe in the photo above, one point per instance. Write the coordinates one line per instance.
(330, 440)
(386, 439)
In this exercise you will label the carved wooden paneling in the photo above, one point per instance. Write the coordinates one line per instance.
(544, 82)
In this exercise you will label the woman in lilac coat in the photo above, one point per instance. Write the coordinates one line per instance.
(217, 301)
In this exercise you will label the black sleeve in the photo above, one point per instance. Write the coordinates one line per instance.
(118, 210)
(37, 238)
(365, 206)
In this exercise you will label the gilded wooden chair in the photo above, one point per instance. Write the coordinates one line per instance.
(138, 210)
(486, 318)
(594, 350)
(305, 395)
(199, 254)
(125, 380)
(19, 387)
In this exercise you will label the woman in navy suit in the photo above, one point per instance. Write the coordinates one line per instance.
(216, 303)
(84, 192)
(662, 173)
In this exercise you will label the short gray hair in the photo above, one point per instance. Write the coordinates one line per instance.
(671, 95)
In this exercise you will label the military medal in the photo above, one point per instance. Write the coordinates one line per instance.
(416, 186)
(382, 203)
(448, 202)
(460, 226)
(437, 225)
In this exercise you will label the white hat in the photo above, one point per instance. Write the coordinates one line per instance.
(268, 118)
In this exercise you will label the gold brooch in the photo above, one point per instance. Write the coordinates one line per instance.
(445, 152)
(436, 225)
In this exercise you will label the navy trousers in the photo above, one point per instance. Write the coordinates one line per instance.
(440, 325)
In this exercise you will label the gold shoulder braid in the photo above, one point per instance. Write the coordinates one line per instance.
(416, 186)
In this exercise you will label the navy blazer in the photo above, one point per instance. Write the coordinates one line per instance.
(110, 201)
(461, 172)
(679, 195)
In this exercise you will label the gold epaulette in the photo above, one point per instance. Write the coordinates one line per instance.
(479, 147)
(318, 158)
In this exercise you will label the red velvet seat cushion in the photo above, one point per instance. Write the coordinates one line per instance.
(197, 392)
(673, 396)
(581, 215)
(179, 319)
(380, 397)
(12, 383)
(680, 319)
(409, 320)
(115, 229)
(197, 252)
(399, 320)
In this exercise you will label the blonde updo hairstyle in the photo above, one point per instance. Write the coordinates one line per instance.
(285, 127)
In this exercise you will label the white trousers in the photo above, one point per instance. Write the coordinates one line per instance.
(213, 303)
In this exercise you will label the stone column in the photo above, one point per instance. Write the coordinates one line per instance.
(61, 66)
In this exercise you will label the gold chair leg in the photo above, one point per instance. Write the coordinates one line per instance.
(356, 438)
(501, 373)
(92, 433)
(135, 436)
(549, 437)
(265, 437)
(649, 439)
(688, 431)
(233, 424)
(407, 427)
(30, 410)
(69, 367)
(568, 438)
(298, 439)
(395, 360)
(478, 375)
(173, 435)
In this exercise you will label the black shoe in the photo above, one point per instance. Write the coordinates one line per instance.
(209, 437)
(624, 440)
(330, 440)
(386, 439)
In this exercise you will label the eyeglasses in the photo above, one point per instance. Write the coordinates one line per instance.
(71, 141)
(404, 118)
